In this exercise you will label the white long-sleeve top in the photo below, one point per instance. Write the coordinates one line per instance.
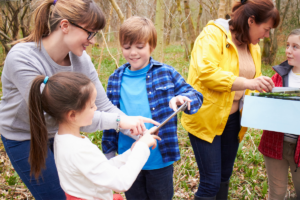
(85, 172)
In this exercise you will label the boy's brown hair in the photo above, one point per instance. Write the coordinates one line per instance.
(138, 29)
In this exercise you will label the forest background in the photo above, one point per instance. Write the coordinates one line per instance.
(178, 23)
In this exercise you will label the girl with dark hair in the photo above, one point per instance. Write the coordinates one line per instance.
(282, 150)
(226, 65)
(84, 172)
(62, 31)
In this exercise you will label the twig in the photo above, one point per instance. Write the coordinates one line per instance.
(179, 181)
(5, 36)
(175, 17)
(214, 8)
(252, 143)
(104, 40)
(6, 187)
(15, 189)
(248, 191)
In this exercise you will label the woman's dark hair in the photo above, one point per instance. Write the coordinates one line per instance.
(46, 20)
(64, 92)
(260, 10)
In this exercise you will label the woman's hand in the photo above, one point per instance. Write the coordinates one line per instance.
(135, 123)
(179, 100)
(149, 139)
(262, 83)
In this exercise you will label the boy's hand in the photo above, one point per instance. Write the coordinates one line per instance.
(135, 124)
(179, 100)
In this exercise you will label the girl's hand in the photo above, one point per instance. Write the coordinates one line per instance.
(179, 100)
(135, 124)
(149, 139)
(262, 83)
(132, 146)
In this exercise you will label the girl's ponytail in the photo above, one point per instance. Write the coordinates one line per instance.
(39, 134)
(63, 92)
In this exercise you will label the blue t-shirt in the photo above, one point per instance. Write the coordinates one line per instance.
(134, 102)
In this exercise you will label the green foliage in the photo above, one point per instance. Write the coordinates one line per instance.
(96, 138)
(267, 70)
(174, 49)
(280, 57)
(12, 180)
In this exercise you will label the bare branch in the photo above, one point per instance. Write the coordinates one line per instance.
(104, 40)
(118, 10)
(5, 36)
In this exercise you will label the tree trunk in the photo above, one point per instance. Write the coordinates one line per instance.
(128, 9)
(284, 14)
(170, 26)
(266, 50)
(6, 47)
(119, 48)
(298, 13)
(121, 18)
(12, 19)
(190, 23)
(152, 16)
(273, 48)
(159, 26)
(222, 8)
(24, 28)
(133, 7)
(199, 25)
(212, 9)
(183, 31)
(269, 57)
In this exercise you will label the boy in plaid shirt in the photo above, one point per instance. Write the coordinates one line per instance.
(145, 87)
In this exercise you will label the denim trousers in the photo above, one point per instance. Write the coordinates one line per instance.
(215, 160)
(47, 186)
(154, 184)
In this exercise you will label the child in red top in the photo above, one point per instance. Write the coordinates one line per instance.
(281, 150)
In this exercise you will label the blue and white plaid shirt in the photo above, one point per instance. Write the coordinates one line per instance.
(163, 83)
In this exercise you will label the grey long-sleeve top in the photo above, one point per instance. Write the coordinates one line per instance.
(23, 63)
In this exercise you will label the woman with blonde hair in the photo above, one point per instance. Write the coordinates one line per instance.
(62, 31)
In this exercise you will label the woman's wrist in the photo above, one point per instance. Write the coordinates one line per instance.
(118, 120)
(240, 83)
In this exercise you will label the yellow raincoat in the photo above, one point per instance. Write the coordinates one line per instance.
(213, 69)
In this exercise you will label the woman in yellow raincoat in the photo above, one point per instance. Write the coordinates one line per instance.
(226, 65)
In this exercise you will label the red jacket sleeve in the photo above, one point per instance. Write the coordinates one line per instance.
(277, 79)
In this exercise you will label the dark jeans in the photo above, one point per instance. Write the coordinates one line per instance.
(47, 186)
(152, 184)
(215, 160)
